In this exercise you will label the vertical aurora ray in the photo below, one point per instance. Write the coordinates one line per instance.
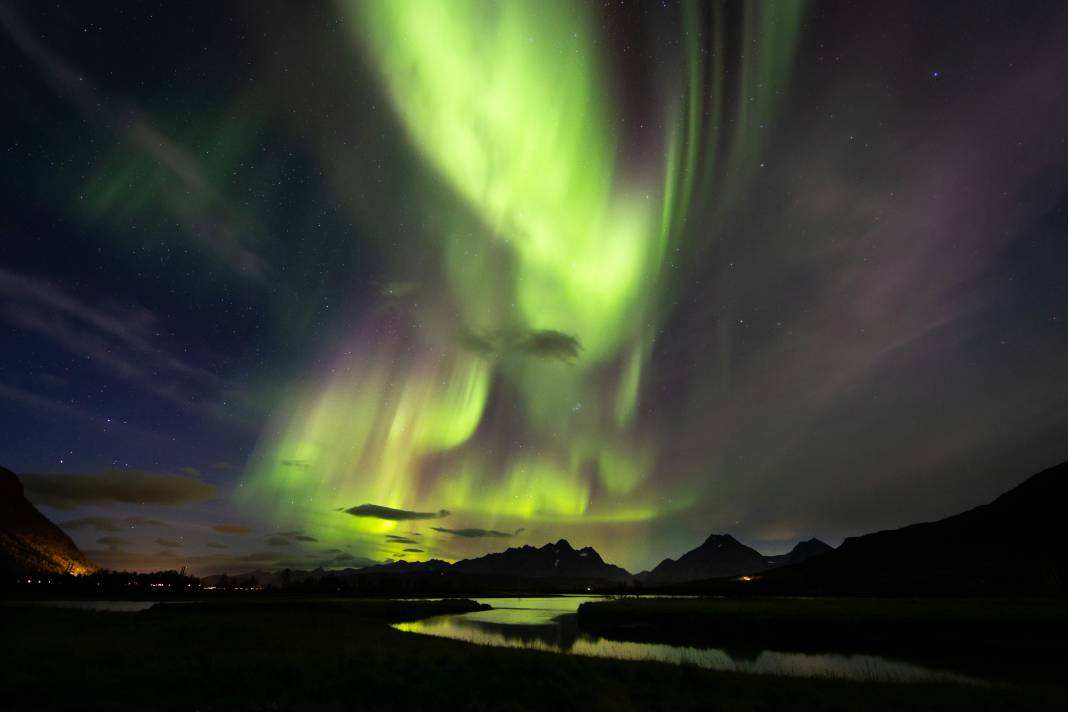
(504, 101)
(507, 105)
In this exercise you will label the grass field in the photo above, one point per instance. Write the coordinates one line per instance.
(342, 655)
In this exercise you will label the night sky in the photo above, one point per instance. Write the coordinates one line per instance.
(300, 284)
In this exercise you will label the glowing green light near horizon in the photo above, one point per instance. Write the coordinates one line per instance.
(506, 103)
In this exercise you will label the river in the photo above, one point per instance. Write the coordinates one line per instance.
(551, 624)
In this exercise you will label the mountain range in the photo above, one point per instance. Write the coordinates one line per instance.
(557, 565)
(722, 555)
(559, 560)
(1015, 545)
(560, 566)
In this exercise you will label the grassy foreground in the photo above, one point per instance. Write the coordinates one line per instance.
(327, 655)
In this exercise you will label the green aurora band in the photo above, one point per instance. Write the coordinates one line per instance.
(550, 239)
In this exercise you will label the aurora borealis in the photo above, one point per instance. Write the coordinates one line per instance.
(546, 295)
(333, 283)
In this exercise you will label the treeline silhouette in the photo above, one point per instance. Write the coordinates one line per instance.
(408, 583)
(100, 584)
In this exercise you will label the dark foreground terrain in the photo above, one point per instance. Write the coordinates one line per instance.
(342, 654)
(1021, 641)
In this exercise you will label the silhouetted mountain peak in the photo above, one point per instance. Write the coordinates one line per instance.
(804, 550)
(10, 485)
(719, 555)
(559, 560)
(29, 542)
(1013, 545)
(1046, 490)
(721, 540)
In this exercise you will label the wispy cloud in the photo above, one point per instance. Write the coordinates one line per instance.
(539, 343)
(120, 339)
(43, 402)
(114, 543)
(550, 344)
(109, 524)
(231, 529)
(67, 491)
(206, 216)
(400, 539)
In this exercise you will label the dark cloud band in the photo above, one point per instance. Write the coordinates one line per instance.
(64, 490)
(377, 511)
(231, 529)
(474, 533)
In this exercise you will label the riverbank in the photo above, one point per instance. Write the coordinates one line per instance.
(342, 654)
(1027, 638)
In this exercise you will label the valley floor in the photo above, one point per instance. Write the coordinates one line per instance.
(1017, 640)
(279, 654)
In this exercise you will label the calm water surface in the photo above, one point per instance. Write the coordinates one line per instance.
(550, 624)
(111, 606)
